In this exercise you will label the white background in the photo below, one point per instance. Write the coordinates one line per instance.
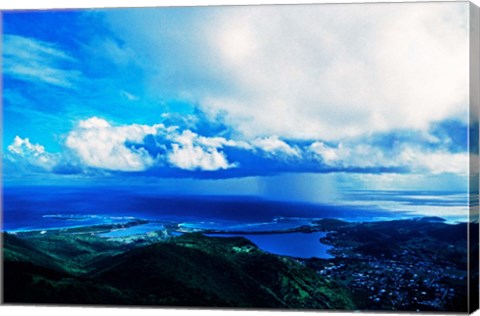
(74, 311)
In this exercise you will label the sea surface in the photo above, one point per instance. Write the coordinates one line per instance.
(53, 207)
(43, 208)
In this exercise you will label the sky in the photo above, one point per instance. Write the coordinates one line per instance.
(249, 98)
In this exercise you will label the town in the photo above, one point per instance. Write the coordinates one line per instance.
(408, 275)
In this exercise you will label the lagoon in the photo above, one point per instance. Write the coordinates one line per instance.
(298, 245)
(134, 230)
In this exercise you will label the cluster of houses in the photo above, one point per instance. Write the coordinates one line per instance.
(397, 284)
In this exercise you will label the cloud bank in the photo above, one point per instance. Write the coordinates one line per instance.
(96, 144)
(305, 72)
(241, 91)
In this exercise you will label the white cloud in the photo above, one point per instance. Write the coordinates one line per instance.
(35, 61)
(436, 162)
(311, 71)
(329, 155)
(101, 145)
(216, 142)
(329, 72)
(191, 152)
(415, 159)
(98, 144)
(23, 152)
(23, 146)
(352, 156)
(274, 146)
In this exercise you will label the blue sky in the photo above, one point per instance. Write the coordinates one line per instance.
(371, 96)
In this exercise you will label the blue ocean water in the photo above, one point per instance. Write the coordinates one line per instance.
(35, 208)
(29, 208)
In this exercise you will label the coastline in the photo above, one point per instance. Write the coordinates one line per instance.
(385, 263)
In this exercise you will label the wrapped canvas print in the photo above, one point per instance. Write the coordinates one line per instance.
(307, 157)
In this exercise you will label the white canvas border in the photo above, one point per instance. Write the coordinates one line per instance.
(97, 311)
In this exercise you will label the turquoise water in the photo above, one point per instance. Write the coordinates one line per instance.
(276, 224)
(134, 230)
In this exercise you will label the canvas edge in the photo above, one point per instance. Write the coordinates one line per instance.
(474, 104)
(2, 301)
(474, 118)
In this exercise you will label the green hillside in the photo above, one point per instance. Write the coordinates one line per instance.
(191, 270)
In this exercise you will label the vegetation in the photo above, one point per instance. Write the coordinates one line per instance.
(417, 264)
(190, 270)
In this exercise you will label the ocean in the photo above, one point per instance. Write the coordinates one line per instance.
(29, 208)
(43, 208)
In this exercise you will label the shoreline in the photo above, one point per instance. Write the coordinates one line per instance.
(387, 263)
(316, 225)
